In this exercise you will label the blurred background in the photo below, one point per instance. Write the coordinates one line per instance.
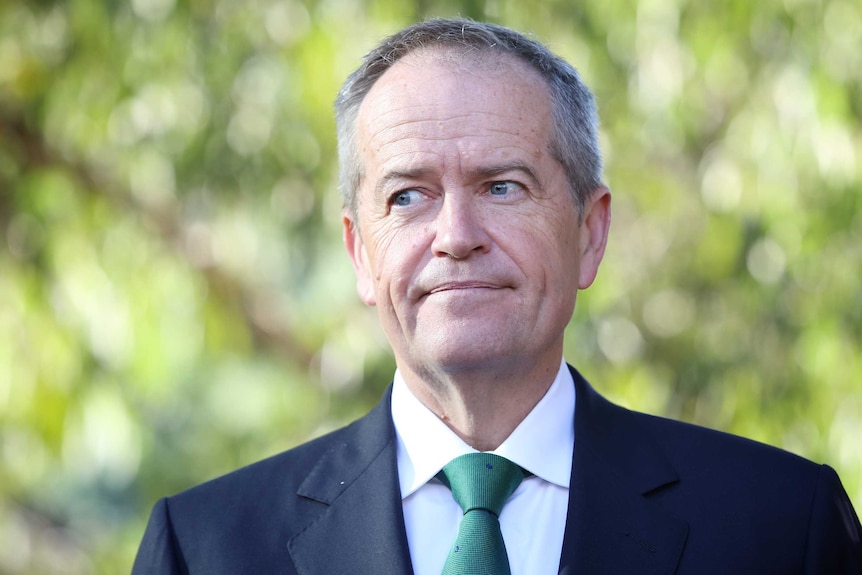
(175, 300)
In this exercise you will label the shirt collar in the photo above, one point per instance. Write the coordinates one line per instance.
(426, 444)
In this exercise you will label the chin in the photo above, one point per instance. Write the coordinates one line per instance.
(456, 355)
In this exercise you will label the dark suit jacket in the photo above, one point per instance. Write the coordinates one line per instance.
(648, 496)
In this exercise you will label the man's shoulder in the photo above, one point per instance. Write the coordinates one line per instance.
(250, 513)
(279, 472)
(279, 476)
(751, 473)
(733, 495)
(691, 467)
(688, 444)
(695, 449)
(694, 439)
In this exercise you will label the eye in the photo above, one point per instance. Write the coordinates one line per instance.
(503, 188)
(404, 198)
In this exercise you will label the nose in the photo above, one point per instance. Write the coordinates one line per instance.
(460, 229)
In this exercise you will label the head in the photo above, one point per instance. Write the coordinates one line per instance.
(574, 141)
(466, 227)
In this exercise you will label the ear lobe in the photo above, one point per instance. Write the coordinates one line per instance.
(359, 258)
(594, 235)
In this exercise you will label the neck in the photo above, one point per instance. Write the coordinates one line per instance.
(483, 407)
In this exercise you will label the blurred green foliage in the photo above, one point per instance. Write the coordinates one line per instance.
(175, 300)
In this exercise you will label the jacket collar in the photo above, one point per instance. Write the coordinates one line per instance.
(612, 525)
(361, 527)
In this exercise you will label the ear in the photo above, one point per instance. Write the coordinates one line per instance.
(594, 235)
(359, 257)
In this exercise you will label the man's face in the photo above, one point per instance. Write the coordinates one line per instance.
(468, 239)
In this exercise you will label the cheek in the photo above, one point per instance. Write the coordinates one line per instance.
(553, 240)
(395, 259)
(563, 231)
(552, 255)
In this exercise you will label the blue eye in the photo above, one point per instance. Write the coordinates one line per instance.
(404, 198)
(502, 188)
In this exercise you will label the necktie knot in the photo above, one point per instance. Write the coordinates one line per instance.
(481, 481)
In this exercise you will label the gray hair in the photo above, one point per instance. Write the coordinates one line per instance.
(574, 142)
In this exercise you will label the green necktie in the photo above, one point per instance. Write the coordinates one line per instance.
(481, 483)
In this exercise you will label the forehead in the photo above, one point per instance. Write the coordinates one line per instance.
(482, 102)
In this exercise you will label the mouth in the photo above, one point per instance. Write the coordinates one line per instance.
(463, 286)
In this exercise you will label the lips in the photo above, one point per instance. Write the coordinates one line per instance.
(435, 280)
(462, 285)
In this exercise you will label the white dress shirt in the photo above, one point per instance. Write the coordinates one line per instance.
(533, 519)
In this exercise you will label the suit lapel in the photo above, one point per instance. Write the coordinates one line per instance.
(361, 528)
(612, 526)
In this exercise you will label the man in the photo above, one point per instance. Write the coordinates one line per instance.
(474, 213)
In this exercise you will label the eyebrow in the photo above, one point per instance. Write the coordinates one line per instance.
(478, 173)
(394, 175)
(484, 172)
